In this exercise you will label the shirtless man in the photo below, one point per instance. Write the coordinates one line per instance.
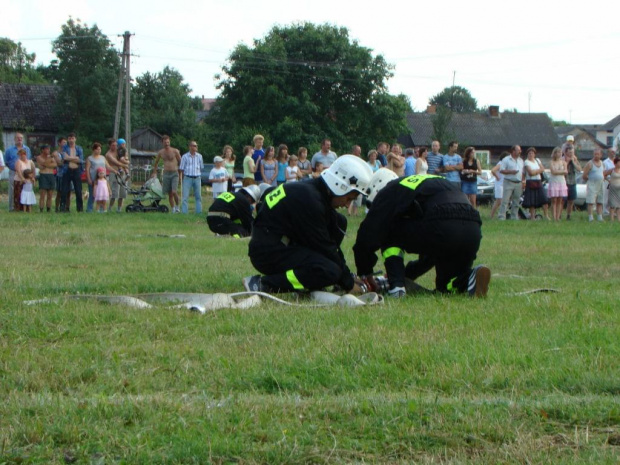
(47, 181)
(170, 179)
(118, 190)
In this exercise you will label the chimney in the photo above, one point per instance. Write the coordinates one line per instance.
(494, 111)
(431, 109)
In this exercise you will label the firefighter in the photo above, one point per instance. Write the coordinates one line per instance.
(425, 215)
(297, 233)
(231, 214)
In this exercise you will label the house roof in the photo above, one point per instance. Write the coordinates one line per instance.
(611, 124)
(525, 129)
(29, 105)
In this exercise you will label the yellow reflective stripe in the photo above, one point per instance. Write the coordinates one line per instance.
(226, 197)
(450, 286)
(236, 236)
(393, 251)
(275, 196)
(412, 182)
(290, 275)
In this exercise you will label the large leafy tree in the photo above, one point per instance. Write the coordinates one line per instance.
(456, 99)
(17, 65)
(302, 83)
(88, 69)
(162, 101)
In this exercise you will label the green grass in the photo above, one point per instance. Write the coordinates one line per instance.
(509, 379)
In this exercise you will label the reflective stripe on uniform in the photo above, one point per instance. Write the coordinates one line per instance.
(219, 214)
(393, 251)
(290, 275)
(412, 182)
(227, 197)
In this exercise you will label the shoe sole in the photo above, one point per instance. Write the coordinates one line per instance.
(246, 284)
(483, 278)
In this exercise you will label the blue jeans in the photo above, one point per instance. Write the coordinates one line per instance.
(191, 183)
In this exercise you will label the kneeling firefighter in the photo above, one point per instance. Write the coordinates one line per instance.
(297, 233)
(231, 214)
(425, 215)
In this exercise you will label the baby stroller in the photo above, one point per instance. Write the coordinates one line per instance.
(150, 193)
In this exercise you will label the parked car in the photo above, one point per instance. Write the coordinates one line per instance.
(485, 187)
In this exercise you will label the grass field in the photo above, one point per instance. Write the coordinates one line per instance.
(509, 379)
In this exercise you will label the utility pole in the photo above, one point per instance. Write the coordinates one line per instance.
(124, 82)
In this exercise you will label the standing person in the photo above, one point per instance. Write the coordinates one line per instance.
(21, 165)
(10, 158)
(249, 167)
(593, 175)
(573, 167)
(356, 150)
(101, 188)
(498, 185)
(218, 177)
(269, 167)
(453, 164)
(382, 151)
(120, 166)
(27, 198)
(292, 170)
(614, 191)
(410, 162)
(95, 161)
(469, 175)
(608, 167)
(229, 163)
(297, 233)
(325, 155)
(512, 169)
(170, 178)
(396, 163)
(421, 165)
(425, 215)
(534, 196)
(435, 159)
(557, 183)
(258, 156)
(305, 167)
(2, 165)
(373, 162)
(190, 170)
(47, 180)
(73, 159)
(282, 159)
(60, 171)
(231, 214)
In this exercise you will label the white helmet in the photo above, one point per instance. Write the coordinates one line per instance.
(348, 173)
(378, 181)
(254, 191)
(263, 186)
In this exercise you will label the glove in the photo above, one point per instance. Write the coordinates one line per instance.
(369, 282)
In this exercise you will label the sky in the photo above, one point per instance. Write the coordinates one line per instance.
(556, 57)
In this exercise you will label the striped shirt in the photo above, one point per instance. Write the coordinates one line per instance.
(435, 161)
(191, 165)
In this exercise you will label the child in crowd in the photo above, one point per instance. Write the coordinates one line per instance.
(557, 183)
(218, 177)
(102, 191)
(229, 164)
(249, 167)
(318, 168)
(27, 198)
(304, 165)
(282, 163)
(292, 170)
(269, 167)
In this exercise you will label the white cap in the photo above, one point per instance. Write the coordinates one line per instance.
(218, 159)
(570, 138)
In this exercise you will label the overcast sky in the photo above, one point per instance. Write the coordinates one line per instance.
(557, 57)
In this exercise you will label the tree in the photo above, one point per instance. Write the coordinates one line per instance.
(162, 101)
(88, 69)
(16, 64)
(456, 99)
(302, 83)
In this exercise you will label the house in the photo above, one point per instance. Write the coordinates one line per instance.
(491, 133)
(585, 142)
(607, 134)
(29, 109)
(145, 143)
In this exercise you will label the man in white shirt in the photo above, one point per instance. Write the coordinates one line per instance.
(324, 156)
(608, 167)
(190, 169)
(512, 169)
